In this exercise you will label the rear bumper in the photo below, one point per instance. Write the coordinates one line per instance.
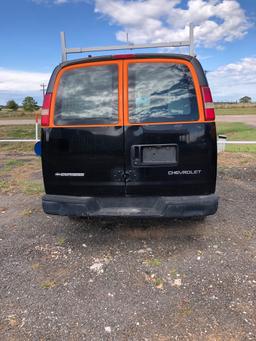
(173, 207)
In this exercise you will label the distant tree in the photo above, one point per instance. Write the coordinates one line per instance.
(29, 104)
(12, 105)
(245, 99)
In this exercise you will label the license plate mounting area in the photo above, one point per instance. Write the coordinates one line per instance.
(154, 155)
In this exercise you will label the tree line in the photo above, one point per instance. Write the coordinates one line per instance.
(28, 104)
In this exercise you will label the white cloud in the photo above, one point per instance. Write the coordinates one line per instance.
(60, 2)
(57, 2)
(18, 84)
(215, 21)
(21, 81)
(229, 82)
(235, 80)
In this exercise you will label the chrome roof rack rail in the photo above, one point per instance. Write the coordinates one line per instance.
(65, 51)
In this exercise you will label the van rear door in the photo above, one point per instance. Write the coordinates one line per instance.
(170, 149)
(83, 147)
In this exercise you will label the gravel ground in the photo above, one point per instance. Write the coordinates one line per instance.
(248, 119)
(17, 121)
(124, 279)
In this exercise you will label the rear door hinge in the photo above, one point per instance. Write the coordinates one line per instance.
(126, 176)
(129, 175)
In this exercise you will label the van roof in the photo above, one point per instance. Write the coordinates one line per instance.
(193, 60)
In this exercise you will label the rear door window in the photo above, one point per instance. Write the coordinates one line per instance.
(161, 92)
(88, 95)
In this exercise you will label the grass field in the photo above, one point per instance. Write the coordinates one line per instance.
(234, 131)
(238, 132)
(232, 109)
(17, 132)
(19, 114)
(236, 111)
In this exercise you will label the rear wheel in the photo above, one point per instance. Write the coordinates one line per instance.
(199, 218)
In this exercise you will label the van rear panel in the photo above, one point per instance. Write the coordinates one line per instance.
(83, 161)
(190, 172)
(165, 117)
(129, 128)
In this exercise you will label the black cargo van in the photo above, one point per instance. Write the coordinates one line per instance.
(129, 135)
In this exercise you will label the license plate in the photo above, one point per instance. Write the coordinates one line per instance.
(155, 155)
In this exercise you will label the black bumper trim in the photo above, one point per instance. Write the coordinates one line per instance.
(173, 207)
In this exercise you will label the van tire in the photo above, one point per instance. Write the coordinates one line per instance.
(74, 218)
(199, 218)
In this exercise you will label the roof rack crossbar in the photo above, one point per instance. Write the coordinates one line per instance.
(65, 51)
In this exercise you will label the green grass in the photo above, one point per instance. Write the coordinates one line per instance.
(153, 262)
(20, 114)
(13, 163)
(26, 187)
(236, 131)
(158, 282)
(32, 187)
(4, 185)
(15, 147)
(236, 111)
(61, 241)
(49, 284)
(245, 148)
(21, 176)
(17, 132)
(173, 273)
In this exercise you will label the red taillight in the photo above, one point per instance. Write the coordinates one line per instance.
(45, 114)
(123, 56)
(208, 104)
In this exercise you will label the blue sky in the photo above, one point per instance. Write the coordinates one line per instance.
(29, 37)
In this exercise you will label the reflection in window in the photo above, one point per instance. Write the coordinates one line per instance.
(161, 92)
(88, 95)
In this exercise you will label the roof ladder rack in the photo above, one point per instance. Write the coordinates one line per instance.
(65, 51)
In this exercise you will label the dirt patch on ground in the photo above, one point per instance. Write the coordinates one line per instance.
(238, 166)
(236, 160)
(123, 279)
(20, 174)
(248, 119)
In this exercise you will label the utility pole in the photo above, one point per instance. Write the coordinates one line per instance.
(43, 88)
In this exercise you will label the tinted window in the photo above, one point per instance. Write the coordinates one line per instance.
(88, 96)
(161, 92)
